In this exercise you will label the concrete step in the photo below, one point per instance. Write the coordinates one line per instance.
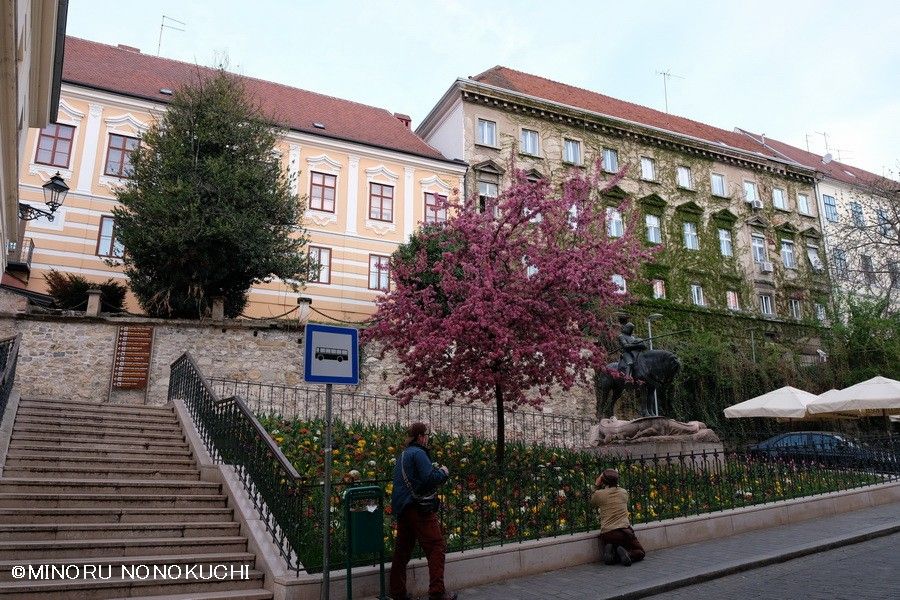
(106, 531)
(117, 444)
(22, 485)
(88, 500)
(50, 424)
(116, 562)
(116, 588)
(97, 451)
(29, 551)
(50, 415)
(23, 516)
(224, 595)
(69, 461)
(130, 472)
(102, 407)
(103, 434)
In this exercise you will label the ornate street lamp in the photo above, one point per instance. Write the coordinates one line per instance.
(55, 192)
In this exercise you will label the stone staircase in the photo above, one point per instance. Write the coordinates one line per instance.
(112, 487)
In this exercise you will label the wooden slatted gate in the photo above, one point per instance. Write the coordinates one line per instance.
(131, 365)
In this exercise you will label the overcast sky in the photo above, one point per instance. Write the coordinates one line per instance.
(789, 69)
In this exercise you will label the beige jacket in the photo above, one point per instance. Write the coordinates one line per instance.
(612, 504)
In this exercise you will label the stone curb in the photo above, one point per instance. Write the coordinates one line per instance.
(753, 563)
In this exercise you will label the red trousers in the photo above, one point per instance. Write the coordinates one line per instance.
(626, 538)
(412, 527)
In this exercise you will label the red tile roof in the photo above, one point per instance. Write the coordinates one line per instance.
(131, 73)
(833, 169)
(554, 91)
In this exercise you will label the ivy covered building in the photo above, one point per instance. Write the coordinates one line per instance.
(737, 222)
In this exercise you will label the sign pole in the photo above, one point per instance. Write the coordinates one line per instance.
(330, 355)
(326, 510)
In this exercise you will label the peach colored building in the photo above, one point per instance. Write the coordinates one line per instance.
(32, 39)
(367, 177)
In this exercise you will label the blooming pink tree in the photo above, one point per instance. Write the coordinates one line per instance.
(503, 304)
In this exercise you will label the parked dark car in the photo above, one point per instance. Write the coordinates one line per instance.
(829, 449)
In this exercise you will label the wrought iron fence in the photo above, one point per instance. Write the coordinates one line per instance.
(485, 505)
(308, 403)
(233, 436)
(9, 355)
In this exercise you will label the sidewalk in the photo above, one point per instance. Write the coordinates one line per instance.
(672, 568)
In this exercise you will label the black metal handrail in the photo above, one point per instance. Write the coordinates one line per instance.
(308, 403)
(233, 436)
(9, 356)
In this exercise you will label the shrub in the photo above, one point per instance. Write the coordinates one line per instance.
(71, 292)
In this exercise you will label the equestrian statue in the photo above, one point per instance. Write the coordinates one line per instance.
(655, 369)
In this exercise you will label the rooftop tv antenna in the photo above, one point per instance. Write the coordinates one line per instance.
(824, 134)
(666, 75)
(165, 24)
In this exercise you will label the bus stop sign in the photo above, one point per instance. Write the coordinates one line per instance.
(331, 355)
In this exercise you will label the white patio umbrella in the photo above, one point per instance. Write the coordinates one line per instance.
(876, 396)
(786, 403)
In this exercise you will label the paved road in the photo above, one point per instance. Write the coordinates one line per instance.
(865, 571)
(673, 568)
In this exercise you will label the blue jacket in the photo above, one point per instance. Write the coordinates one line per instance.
(422, 475)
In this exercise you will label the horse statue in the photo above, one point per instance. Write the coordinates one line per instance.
(656, 369)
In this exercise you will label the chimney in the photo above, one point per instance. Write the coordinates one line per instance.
(405, 119)
(129, 48)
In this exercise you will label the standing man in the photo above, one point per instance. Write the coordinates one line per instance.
(415, 505)
(618, 543)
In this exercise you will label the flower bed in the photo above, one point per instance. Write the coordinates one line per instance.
(541, 491)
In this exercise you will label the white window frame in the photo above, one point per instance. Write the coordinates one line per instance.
(524, 134)
(815, 261)
(758, 248)
(803, 205)
(795, 309)
(682, 173)
(654, 232)
(726, 244)
(697, 295)
(765, 305)
(751, 191)
(659, 289)
(620, 282)
(614, 155)
(788, 254)
(576, 144)
(691, 236)
(820, 312)
(645, 161)
(712, 185)
(732, 300)
(482, 128)
(777, 193)
(615, 225)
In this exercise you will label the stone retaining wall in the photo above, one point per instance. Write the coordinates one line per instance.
(71, 356)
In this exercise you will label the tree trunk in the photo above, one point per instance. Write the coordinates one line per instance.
(501, 426)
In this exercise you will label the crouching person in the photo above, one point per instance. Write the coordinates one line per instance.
(618, 543)
(415, 505)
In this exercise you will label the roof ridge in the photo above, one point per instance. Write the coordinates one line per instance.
(613, 98)
(241, 75)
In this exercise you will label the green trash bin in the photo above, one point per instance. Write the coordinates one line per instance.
(364, 517)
